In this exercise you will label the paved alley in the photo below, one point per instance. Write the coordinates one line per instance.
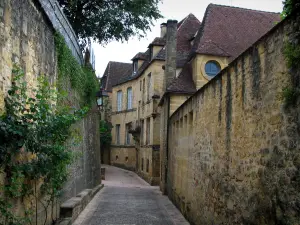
(126, 199)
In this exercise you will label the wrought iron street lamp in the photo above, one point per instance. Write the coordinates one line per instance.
(101, 95)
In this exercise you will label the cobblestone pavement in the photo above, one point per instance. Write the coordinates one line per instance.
(126, 199)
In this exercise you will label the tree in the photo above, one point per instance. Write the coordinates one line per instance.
(107, 20)
(290, 7)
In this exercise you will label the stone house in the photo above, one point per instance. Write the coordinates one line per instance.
(178, 63)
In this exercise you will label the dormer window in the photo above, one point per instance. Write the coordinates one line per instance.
(135, 67)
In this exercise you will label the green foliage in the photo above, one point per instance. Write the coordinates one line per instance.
(292, 54)
(292, 51)
(83, 79)
(33, 141)
(290, 95)
(108, 20)
(105, 133)
(290, 7)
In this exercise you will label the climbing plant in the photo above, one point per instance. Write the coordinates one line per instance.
(34, 150)
(292, 51)
(82, 78)
(105, 133)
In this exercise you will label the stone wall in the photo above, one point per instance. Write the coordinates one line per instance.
(234, 145)
(27, 39)
(61, 24)
(144, 104)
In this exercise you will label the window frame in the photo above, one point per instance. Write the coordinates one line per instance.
(119, 100)
(118, 133)
(210, 63)
(129, 100)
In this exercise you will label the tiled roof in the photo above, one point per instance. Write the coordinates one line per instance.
(225, 31)
(140, 55)
(186, 29)
(160, 41)
(184, 82)
(115, 71)
(228, 31)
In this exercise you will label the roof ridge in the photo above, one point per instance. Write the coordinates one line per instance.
(118, 62)
(237, 7)
(185, 19)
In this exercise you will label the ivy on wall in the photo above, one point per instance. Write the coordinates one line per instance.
(36, 135)
(82, 79)
(292, 51)
(34, 152)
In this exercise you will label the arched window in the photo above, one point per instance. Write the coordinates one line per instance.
(212, 68)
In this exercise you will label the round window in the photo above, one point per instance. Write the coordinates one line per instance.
(212, 68)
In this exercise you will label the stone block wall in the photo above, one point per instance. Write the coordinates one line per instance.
(234, 145)
(27, 39)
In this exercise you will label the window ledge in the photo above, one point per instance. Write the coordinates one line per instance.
(124, 111)
(122, 146)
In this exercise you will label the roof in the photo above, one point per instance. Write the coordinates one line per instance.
(225, 31)
(115, 71)
(160, 41)
(184, 82)
(186, 29)
(140, 55)
(228, 31)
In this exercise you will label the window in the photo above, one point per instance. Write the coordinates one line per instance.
(212, 68)
(119, 101)
(148, 131)
(135, 67)
(140, 85)
(126, 159)
(127, 140)
(118, 134)
(117, 157)
(129, 98)
(142, 164)
(148, 86)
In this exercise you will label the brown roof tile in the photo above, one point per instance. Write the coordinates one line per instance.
(114, 73)
(158, 41)
(140, 55)
(228, 31)
(186, 29)
(184, 82)
(225, 31)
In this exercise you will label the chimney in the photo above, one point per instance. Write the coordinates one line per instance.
(163, 29)
(171, 50)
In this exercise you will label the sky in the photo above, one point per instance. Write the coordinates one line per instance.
(170, 9)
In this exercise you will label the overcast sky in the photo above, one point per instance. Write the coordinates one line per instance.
(170, 9)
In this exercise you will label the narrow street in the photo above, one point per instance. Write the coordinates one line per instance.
(126, 199)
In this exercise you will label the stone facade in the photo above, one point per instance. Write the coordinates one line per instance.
(27, 39)
(141, 153)
(233, 153)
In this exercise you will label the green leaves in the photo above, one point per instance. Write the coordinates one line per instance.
(82, 79)
(105, 133)
(108, 20)
(33, 136)
(290, 7)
